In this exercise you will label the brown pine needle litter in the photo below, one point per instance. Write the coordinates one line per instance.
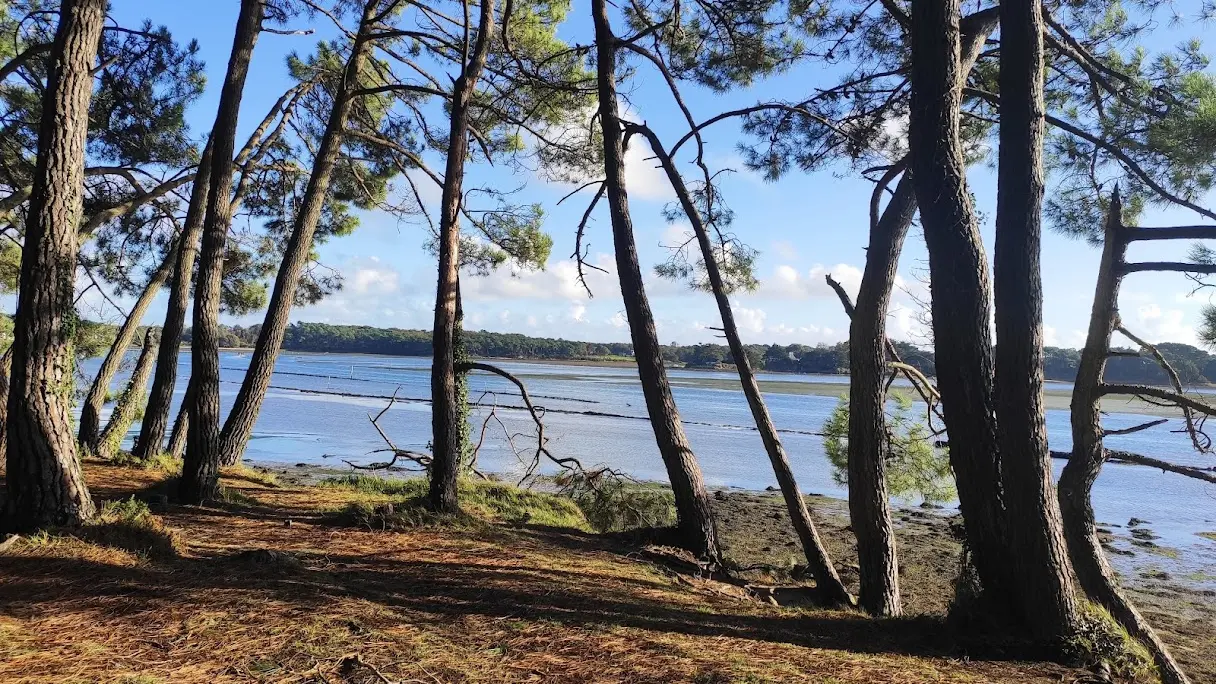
(267, 587)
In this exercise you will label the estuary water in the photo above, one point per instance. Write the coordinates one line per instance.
(317, 412)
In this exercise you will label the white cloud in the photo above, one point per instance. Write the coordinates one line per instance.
(1050, 338)
(788, 282)
(558, 281)
(750, 320)
(374, 278)
(1160, 325)
(644, 178)
(578, 313)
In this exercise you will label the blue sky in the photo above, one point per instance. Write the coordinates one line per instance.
(805, 226)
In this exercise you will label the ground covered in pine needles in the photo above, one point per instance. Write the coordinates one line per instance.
(304, 584)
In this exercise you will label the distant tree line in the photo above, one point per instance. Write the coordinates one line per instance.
(1194, 366)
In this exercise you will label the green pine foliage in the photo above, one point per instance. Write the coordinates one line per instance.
(915, 466)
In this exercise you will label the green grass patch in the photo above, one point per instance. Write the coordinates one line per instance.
(241, 471)
(370, 484)
(127, 524)
(400, 503)
(163, 462)
(238, 497)
(1100, 638)
(1207, 535)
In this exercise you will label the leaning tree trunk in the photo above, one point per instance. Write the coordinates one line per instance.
(695, 517)
(200, 472)
(176, 448)
(160, 400)
(831, 589)
(239, 425)
(959, 279)
(869, 448)
(1093, 573)
(1040, 566)
(869, 508)
(45, 482)
(90, 414)
(128, 402)
(447, 419)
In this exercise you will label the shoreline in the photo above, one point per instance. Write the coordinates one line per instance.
(1055, 398)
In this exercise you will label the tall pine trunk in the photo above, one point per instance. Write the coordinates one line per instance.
(695, 517)
(1039, 559)
(1093, 573)
(827, 581)
(447, 419)
(89, 434)
(128, 402)
(160, 399)
(869, 507)
(869, 448)
(239, 425)
(200, 472)
(45, 482)
(959, 279)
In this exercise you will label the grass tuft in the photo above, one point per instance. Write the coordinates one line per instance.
(1100, 638)
(401, 503)
(257, 476)
(162, 462)
(128, 525)
(370, 484)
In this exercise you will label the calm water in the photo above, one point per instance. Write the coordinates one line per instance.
(298, 427)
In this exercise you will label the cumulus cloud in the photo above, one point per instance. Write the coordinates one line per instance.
(1157, 324)
(750, 320)
(788, 282)
(373, 278)
(559, 281)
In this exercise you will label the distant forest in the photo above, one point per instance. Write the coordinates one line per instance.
(1194, 365)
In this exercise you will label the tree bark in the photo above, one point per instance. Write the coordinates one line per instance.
(160, 399)
(695, 517)
(961, 292)
(89, 434)
(176, 448)
(869, 449)
(128, 403)
(1039, 559)
(869, 507)
(6, 371)
(200, 472)
(1093, 573)
(827, 581)
(447, 419)
(45, 482)
(239, 425)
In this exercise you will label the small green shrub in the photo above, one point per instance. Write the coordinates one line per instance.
(914, 465)
(612, 504)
